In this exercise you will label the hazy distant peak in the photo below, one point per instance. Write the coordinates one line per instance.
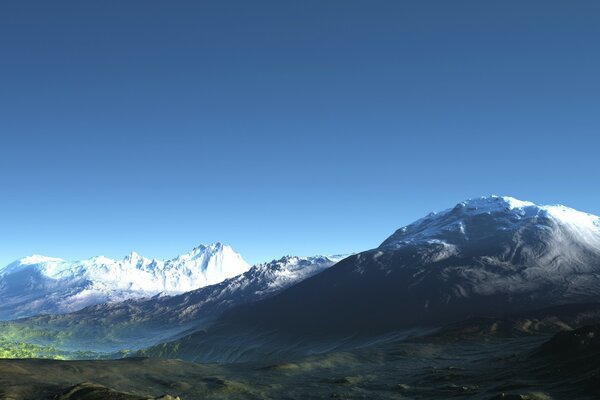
(46, 284)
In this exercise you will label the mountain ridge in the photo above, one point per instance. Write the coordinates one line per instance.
(490, 256)
(135, 323)
(39, 284)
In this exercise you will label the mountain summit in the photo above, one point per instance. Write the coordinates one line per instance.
(476, 219)
(39, 284)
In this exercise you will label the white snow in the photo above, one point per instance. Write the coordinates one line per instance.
(494, 202)
(586, 226)
(509, 213)
(37, 283)
(291, 269)
(509, 246)
(38, 259)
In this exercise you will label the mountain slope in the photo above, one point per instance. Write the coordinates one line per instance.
(38, 284)
(485, 257)
(489, 255)
(136, 323)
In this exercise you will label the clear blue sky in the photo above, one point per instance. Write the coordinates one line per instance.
(285, 127)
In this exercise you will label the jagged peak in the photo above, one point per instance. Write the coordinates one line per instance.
(206, 264)
(290, 259)
(208, 249)
(133, 256)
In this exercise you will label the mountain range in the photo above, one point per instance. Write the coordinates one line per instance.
(107, 328)
(45, 285)
(489, 256)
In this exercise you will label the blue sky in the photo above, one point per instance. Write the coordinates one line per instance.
(284, 127)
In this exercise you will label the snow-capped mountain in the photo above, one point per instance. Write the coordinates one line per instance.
(484, 257)
(38, 284)
(140, 322)
(516, 247)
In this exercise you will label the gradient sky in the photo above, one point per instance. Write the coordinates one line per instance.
(285, 127)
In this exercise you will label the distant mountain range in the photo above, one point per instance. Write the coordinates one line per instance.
(39, 285)
(107, 328)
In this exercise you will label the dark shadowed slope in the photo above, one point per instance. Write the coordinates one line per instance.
(507, 368)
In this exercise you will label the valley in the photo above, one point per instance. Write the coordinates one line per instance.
(480, 367)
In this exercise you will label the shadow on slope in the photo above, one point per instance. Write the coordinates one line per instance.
(529, 367)
(223, 344)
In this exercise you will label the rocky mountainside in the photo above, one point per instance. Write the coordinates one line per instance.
(489, 257)
(493, 255)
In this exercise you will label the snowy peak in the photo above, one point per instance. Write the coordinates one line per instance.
(486, 216)
(298, 262)
(276, 275)
(493, 202)
(202, 259)
(202, 249)
(134, 258)
(511, 206)
(38, 259)
(46, 284)
(216, 262)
